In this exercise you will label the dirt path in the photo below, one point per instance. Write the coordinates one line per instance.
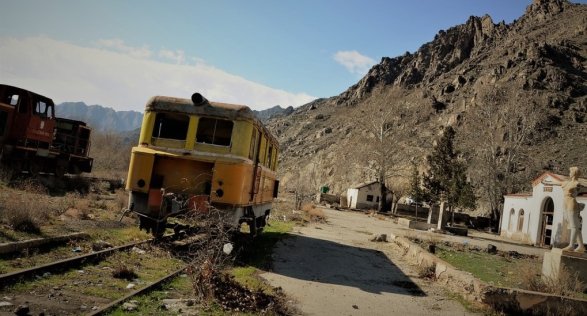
(333, 269)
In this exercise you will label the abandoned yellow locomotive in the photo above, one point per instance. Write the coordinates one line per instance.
(195, 154)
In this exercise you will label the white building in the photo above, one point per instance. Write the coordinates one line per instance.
(364, 196)
(537, 218)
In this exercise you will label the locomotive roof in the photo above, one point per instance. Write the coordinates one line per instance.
(212, 109)
(4, 87)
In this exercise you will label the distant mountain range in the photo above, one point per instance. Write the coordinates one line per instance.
(107, 119)
(273, 112)
(99, 117)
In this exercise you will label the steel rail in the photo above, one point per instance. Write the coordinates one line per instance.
(104, 309)
(11, 277)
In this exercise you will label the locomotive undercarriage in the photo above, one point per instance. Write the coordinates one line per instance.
(184, 206)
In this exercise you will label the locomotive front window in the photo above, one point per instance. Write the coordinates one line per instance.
(41, 108)
(171, 126)
(13, 99)
(214, 131)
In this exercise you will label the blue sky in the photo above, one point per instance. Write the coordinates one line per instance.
(285, 52)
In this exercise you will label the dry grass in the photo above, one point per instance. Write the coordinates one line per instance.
(23, 214)
(567, 283)
(313, 214)
(426, 271)
(122, 271)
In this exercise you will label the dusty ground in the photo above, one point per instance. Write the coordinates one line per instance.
(333, 269)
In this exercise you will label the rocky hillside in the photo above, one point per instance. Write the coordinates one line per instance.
(537, 62)
(100, 118)
(273, 112)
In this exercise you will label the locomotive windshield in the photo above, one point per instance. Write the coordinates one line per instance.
(214, 131)
(171, 126)
(13, 99)
(43, 109)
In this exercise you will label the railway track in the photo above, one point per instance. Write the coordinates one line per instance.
(109, 307)
(61, 265)
(31, 277)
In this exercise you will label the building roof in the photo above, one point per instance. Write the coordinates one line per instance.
(559, 178)
(358, 186)
(519, 195)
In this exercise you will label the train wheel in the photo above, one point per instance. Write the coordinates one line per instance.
(34, 168)
(260, 223)
(60, 171)
(252, 227)
(158, 228)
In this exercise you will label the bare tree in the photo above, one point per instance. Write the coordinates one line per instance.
(382, 148)
(506, 125)
(305, 187)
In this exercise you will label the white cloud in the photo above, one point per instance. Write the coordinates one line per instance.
(123, 77)
(177, 56)
(354, 62)
(119, 46)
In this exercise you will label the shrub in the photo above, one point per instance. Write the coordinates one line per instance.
(21, 216)
(313, 214)
(567, 283)
(26, 209)
(426, 271)
(124, 272)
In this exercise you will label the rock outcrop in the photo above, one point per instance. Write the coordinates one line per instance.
(539, 59)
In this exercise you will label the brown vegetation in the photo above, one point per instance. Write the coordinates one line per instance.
(567, 283)
(111, 154)
(121, 271)
(313, 214)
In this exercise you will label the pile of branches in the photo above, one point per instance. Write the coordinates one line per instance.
(213, 252)
(211, 255)
(233, 296)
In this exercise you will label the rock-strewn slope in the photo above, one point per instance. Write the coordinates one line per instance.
(539, 59)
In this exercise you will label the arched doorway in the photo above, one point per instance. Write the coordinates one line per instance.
(546, 222)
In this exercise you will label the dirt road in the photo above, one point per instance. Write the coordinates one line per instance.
(333, 269)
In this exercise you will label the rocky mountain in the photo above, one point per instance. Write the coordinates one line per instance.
(100, 118)
(276, 111)
(460, 79)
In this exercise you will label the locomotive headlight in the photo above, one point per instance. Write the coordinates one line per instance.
(141, 183)
(219, 193)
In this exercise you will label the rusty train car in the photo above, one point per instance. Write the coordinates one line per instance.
(34, 140)
(194, 154)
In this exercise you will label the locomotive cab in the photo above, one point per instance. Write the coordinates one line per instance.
(34, 113)
(28, 128)
(196, 155)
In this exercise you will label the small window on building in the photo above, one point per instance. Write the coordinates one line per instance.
(275, 160)
(511, 220)
(377, 200)
(214, 131)
(369, 198)
(269, 160)
(171, 126)
(41, 109)
(521, 220)
(253, 146)
(13, 99)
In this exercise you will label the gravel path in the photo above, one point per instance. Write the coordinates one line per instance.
(333, 269)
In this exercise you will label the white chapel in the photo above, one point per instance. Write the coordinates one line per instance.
(538, 218)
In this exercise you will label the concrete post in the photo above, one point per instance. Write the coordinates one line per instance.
(442, 216)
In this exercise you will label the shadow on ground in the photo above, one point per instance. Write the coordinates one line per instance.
(323, 261)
